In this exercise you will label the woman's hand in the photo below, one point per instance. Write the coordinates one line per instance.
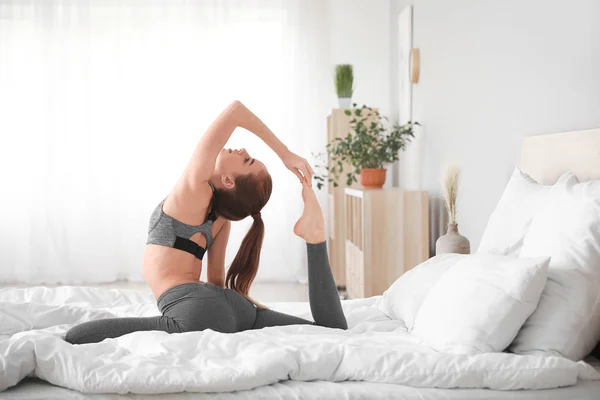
(299, 166)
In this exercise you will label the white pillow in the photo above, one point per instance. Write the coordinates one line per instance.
(509, 222)
(479, 305)
(566, 228)
(404, 298)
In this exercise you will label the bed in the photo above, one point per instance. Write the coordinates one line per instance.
(361, 312)
(31, 313)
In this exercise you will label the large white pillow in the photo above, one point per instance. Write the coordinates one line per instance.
(479, 305)
(566, 228)
(509, 222)
(403, 299)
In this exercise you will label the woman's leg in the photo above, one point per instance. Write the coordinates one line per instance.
(194, 306)
(265, 318)
(98, 330)
(324, 298)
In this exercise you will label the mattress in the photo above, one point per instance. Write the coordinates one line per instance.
(33, 388)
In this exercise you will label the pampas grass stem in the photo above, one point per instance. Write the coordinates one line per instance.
(450, 180)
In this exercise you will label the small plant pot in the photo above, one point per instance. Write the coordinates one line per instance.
(372, 178)
(345, 102)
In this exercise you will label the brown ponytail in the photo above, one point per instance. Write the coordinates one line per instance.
(248, 197)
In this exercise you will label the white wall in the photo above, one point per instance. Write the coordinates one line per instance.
(360, 35)
(492, 73)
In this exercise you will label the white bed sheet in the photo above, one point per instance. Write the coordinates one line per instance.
(43, 308)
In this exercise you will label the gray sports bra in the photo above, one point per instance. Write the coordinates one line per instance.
(167, 231)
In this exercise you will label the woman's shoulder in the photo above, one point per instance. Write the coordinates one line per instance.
(189, 204)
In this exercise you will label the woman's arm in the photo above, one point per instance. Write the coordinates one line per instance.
(216, 256)
(191, 195)
(298, 165)
(202, 163)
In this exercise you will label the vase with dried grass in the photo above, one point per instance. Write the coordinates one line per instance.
(452, 241)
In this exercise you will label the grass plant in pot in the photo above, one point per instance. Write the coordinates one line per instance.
(344, 79)
(452, 241)
(366, 150)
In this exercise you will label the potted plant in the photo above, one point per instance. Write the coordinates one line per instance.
(344, 79)
(367, 149)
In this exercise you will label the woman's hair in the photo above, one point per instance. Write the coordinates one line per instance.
(248, 196)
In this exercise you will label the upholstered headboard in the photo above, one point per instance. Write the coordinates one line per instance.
(546, 157)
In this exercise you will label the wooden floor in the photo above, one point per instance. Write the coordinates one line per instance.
(261, 291)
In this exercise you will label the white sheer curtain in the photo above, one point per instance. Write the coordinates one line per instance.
(103, 102)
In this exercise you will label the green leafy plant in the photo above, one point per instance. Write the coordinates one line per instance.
(344, 79)
(369, 145)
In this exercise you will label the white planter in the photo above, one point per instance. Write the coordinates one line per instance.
(345, 102)
(452, 242)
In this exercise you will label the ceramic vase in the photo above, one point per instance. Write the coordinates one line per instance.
(345, 102)
(452, 242)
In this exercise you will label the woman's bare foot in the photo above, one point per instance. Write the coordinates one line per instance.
(311, 225)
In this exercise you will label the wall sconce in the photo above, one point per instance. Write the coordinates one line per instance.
(414, 65)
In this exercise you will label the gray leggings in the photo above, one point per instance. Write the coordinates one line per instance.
(198, 306)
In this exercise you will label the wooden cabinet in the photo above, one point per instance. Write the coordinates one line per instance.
(338, 125)
(386, 234)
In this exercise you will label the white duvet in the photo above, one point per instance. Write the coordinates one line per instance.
(33, 323)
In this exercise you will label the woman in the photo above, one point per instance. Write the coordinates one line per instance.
(218, 186)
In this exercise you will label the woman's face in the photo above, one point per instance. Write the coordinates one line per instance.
(232, 163)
